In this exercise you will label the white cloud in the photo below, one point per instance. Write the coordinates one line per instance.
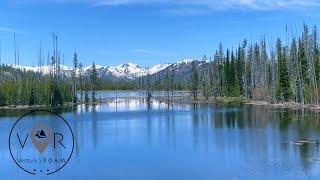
(196, 6)
(7, 30)
(222, 4)
(185, 11)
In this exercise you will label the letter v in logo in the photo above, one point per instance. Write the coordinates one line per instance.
(24, 142)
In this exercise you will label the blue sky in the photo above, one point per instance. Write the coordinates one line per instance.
(147, 32)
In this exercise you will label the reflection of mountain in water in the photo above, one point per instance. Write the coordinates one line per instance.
(253, 139)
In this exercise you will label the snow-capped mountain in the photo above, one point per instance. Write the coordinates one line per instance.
(123, 71)
(43, 69)
(129, 71)
(157, 68)
(181, 70)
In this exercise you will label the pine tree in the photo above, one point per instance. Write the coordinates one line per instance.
(240, 67)
(94, 82)
(32, 97)
(216, 76)
(2, 91)
(284, 90)
(316, 58)
(220, 59)
(56, 98)
(234, 90)
(294, 71)
(148, 87)
(250, 78)
(303, 60)
(206, 80)
(167, 83)
(194, 81)
(227, 75)
(74, 78)
(81, 80)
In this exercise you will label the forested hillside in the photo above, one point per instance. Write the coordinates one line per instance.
(281, 72)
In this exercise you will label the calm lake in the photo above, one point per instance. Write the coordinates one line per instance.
(126, 139)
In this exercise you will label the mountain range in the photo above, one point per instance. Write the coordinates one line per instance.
(127, 71)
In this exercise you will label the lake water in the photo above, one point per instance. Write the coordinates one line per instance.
(131, 140)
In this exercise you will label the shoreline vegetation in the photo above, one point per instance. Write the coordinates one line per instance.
(244, 100)
(280, 75)
(177, 99)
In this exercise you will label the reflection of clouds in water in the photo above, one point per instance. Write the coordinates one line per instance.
(132, 94)
(228, 140)
(81, 108)
(130, 104)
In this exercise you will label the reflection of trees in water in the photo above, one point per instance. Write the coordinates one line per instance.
(161, 125)
(254, 131)
(95, 133)
(76, 133)
(149, 128)
(19, 112)
(300, 125)
(263, 126)
(170, 126)
(195, 123)
(284, 118)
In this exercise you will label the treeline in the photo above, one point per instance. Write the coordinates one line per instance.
(284, 72)
(23, 88)
(20, 87)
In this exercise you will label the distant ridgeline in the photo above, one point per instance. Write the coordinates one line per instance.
(288, 72)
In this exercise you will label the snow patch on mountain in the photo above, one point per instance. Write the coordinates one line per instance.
(184, 61)
(123, 71)
(127, 70)
(155, 69)
(43, 69)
